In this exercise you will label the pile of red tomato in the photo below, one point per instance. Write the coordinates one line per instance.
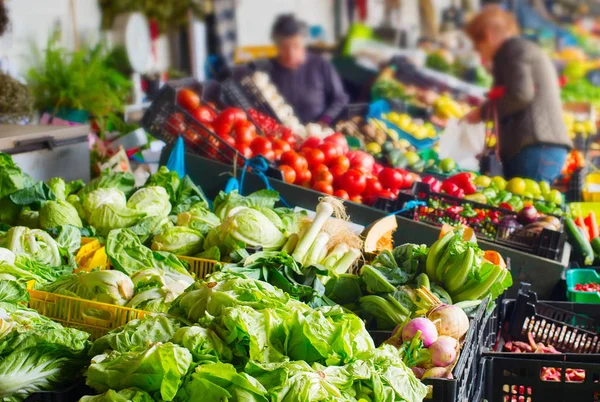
(326, 165)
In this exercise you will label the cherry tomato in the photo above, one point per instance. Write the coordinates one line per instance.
(323, 187)
(357, 198)
(322, 173)
(337, 170)
(175, 123)
(188, 99)
(204, 114)
(314, 156)
(244, 149)
(260, 145)
(391, 178)
(343, 161)
(353, 181)
(289, 174)
(282, 145)
(339, 140)
(373, 186)
(303, 177)
(297, 162)
(330, 151)
(311, 142)
(244, 131)
(343, 194)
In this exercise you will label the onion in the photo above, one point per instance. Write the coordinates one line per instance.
(418, 371)
(443, 351)
(449, 320)
(429, 333)
(437, 372)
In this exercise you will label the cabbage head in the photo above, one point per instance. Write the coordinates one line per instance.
(58, 213)
(124, 395)
(35, 243)
(109, 286)
(103, 196)
(109, 217)
(199, 218)
(253, 228)
(153, 200)
(179, 240)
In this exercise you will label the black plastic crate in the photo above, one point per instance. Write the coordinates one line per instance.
(239, 90)
(466, 382)
(70, 394)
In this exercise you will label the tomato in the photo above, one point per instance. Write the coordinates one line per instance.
(175, 123)
(409, 179)
(297, 162)
(357, 198)
(377, 167)
(244, 131)
(323, 187)
(244, 149)
(385, 193)
(373, 186)
(330, 151)
(343, 194)
(353, 181)
(322, 173)
(260, 145)
(226, 120)
(204, 114)
(314, 157)
(288, 136)
(337, 170)
(188, 99)
(339, 140)
(361, 160)
(343, 161)
(303, 177)
(281, 145)
(391, 178)
(289, 174)
(311, 142)
(278, 153)
(269, 154)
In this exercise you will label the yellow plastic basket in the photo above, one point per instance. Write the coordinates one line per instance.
(200, 266)
(91, 316)
(92, 254)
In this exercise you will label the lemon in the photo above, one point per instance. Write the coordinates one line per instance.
(412, 157)
(483, 181)
(499, 182)
(544, 188)
(373, 148)
(516, 186)
(447, 165)
(532, 187)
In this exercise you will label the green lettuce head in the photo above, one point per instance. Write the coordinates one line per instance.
(103, 196)
(253, 228)
(35, 243)
(124, 395)
(153, 200)
(58, 187)
(199, 218)
(58, 213)
(109, 217)
(179, 240)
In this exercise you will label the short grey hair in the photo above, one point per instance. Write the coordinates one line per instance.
(286, 26)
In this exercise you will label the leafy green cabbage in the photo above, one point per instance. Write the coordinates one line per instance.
(103, 196)
(198, 218)
(35, 243)
(189, 195)
(260, 199)
(152, 200)
(166, 179)
(124, 395)
(123, 181)
(58, 213)
(25, 268)
(203, 343)
(160, 369)
(109, 217)
(150, 226)
(179, 240)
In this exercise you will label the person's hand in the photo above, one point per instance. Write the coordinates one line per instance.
(473, 117)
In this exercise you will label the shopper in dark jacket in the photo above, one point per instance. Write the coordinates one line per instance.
(307, 82)
(533, 140)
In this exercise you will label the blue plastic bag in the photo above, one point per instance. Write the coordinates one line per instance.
(176, 162)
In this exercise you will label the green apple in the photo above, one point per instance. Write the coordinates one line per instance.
(499, 182)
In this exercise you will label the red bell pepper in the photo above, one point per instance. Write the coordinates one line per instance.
(505, 205)
(464, 181)
(450, 187)
(434, 184)
(592, 225)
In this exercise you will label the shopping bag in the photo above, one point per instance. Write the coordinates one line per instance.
(463, 142)
(176, 162)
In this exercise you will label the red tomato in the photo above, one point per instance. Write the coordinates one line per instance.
(204, 114)
(281, 145)
(361, 160)
(373, 186)
(188, 99)
(303, 177)
(331, 152)
(391, 179)
(337, 170)
(244, 149)
(260, 145)
(175, 123)
(385, 193)
(409, 179)
(311, 142)
(314, 157)
(269, 154)
(321, 173)
(343, 161)
(226, 120)
(278, 153)
(343, 194)
(323, 187)
(244, 131)
(357, 198)
(288, 136)
(353, 181)
(339, 140)
(289, 174)
(377, 167)
(297, 162)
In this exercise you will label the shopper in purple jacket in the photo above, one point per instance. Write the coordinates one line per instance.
(308, 82)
